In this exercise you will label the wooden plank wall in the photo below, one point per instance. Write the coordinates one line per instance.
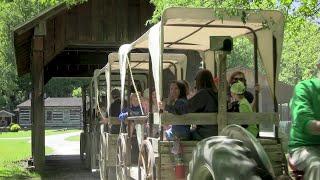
(107, 22)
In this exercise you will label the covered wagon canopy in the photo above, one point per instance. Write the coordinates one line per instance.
(140, 62)
(191, 28)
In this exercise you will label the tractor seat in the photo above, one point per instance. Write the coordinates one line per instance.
(298, 174)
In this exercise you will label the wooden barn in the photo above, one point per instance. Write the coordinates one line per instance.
(72, 42)
(59, 113)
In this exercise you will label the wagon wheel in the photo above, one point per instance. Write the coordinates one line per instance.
(102, 158)
(121, 157)
(146, 163)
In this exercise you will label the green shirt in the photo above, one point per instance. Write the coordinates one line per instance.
(305, 107)
(244, 106)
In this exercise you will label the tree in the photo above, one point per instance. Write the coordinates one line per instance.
(77, 92)
(14, 89)
(301, 40)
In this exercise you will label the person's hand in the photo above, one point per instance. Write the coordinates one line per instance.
(104, 120)
(257, 88)
(122, 116)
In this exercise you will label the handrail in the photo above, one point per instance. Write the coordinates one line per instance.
(211, 118)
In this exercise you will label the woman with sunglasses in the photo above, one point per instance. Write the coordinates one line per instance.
(236, 77)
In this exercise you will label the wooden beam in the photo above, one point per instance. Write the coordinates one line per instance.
(188, 119)
(252, 118)
(222, 91)
(37, 103)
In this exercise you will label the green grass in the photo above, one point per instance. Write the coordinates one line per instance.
(14, 154)
(28, 133)
(73, 138)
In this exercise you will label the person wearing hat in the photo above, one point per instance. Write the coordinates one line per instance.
(237, 92)
(304, 141)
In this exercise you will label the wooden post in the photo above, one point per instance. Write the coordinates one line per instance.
(37, 102)
(222, 91)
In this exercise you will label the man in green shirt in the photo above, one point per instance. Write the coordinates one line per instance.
(304, 143)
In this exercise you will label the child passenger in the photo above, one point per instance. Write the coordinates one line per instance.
(237, 91)
(179, 106)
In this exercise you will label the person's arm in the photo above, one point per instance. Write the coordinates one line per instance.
(301, 109)
(245, 107)
(179, 107)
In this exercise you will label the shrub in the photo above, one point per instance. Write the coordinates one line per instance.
(15, 128)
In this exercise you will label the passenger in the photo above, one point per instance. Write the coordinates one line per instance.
(190, 92)
(237, 91)
(205, 100)
(135, 109)
(304, 141)
(179, 107)
(239, 76)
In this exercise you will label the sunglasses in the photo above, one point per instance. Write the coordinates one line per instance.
(239, 79)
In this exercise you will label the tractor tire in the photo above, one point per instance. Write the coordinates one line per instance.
(220, 158)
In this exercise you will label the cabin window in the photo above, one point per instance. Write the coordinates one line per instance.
(57, 115)
(24, 115)
(49, 115)
(74, 114)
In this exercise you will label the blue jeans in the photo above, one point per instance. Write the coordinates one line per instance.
(178, 131)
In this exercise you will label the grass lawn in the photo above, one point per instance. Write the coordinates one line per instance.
(28, 133)
(14, 154)
(73, 138)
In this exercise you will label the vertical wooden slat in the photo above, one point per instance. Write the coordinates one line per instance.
(84, 22)
(72, 23)
(37, 102)
(122, 21)
(60, 32)
(222, 95)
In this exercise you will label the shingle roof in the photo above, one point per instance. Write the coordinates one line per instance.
(55, 102)
(4, 113)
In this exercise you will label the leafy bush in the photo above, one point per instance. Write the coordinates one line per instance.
(15, 128)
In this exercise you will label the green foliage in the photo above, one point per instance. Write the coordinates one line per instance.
(58, 87)
(77, 92)
(301, 40)
(14, 90)
(15, 127)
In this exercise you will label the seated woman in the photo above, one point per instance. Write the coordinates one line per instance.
(236, 77)
(237, 91)
(204, 101)
(180, 106)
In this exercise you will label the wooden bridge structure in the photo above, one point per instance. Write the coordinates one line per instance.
(72, 42)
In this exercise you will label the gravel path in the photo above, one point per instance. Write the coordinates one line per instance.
(62, 147)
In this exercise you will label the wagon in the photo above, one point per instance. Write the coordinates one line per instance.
(100, 145)
(235, 153)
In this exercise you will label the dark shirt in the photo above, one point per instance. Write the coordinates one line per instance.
(115, 110)
(180, 107)
(135, 111)
(205, 101)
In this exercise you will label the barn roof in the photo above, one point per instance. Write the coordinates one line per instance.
(56, 102)
(23, 34)
(78, 39)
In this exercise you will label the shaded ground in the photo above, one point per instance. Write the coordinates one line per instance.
(68, 167)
